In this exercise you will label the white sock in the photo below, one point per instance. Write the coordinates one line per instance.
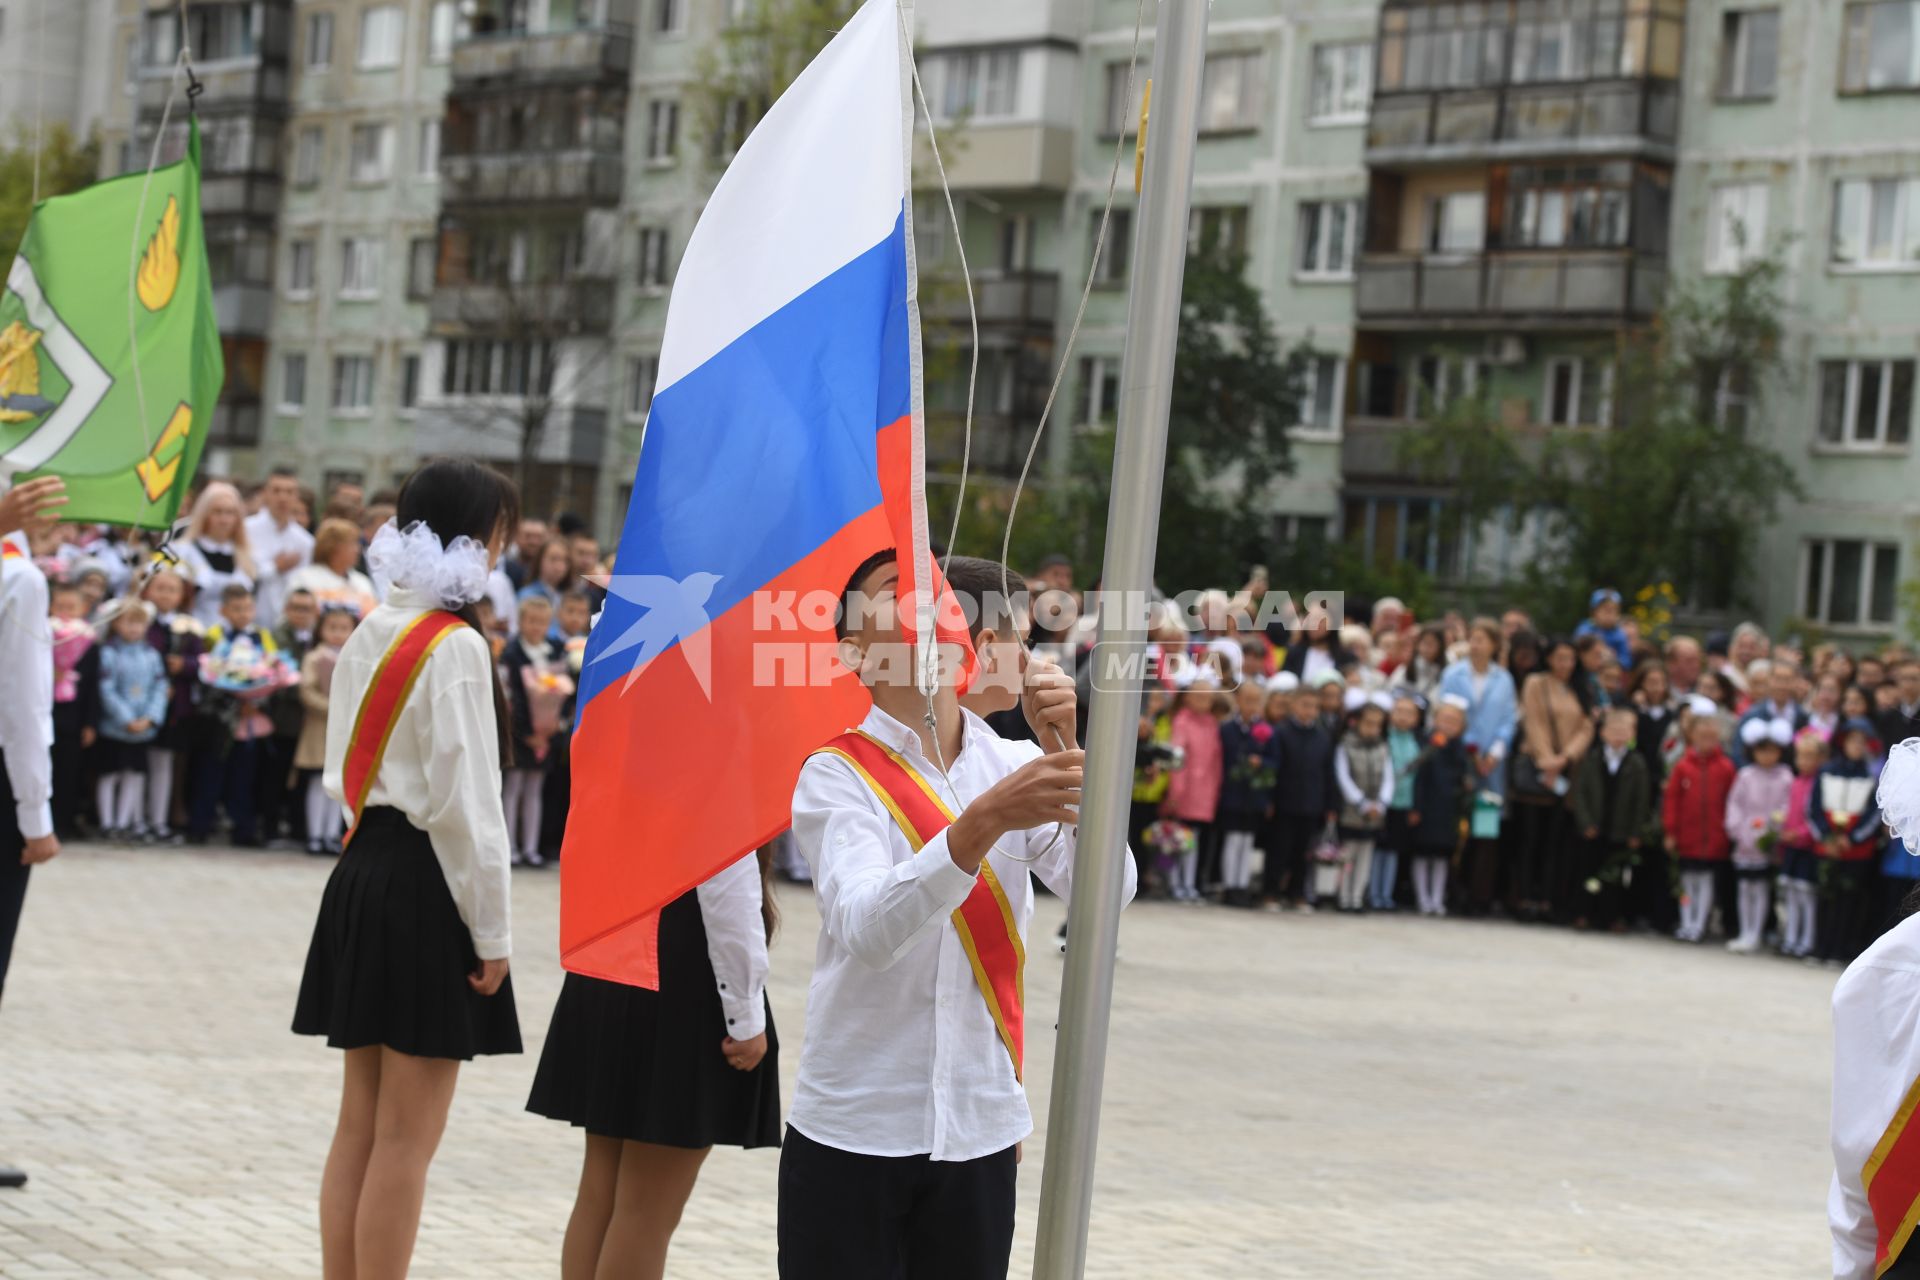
(316, 810)
(530, 806)
(1753, 911)
(132, 793)
(1183, 878)
(159, 788)
(105, 793)
(1422, 892)
(1809, 917)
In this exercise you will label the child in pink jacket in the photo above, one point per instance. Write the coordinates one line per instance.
(1756, 810)
(1193, 792)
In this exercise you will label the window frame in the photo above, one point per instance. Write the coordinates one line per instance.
(1245, 117)
(442, 34)
(421, 290)
(398, 17)
(410, 383)
(383, 132)
(1722, 257)
(1736, 61)
(318, 32)
(302, 175)
(1583, 368)
(1314, 211)
(346, 409)
(654, 274)
(1906, 228)
(288, 361)
(367, 252)
(299, 249)
(1337, 52)
(1092, 412)
(1317, 362)
(426, 158)
(1115, 264)
(1817, 556)
(1886, 370)
(1860, 59)
(668, 108)
(670, 18)
(642, 371)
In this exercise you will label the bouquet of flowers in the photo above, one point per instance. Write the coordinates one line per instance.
(248, 674)
(547, 691)
(72, 637)
(1769, 828)
(1168, 840)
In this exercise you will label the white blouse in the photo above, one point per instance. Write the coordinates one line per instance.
(1876, 1059)
(442, 766)
(208, 582)
(737, 945)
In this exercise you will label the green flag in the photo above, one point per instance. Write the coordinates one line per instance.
(70, 403)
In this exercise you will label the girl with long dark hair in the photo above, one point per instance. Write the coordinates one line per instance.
(407, 971)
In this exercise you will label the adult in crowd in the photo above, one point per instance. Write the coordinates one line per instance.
(1556, 732)
(522, 561)
(1523, 655)
(280, 544)
(1056, 572)
(1317, 649)
(553, 573)
(332, 577)
(1684, 661)
(1901, 720)
(585, 553)
(347, 500)
(1514, 621)
(215, 553)
(1423, 670)
(1773, 685)
(1492, 711)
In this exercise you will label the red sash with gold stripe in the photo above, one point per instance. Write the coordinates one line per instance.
(985, 920)
(1892, 1181)
(10, 552)
(386, 694)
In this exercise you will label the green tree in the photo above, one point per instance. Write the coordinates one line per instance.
(741, 75)
(1676, 490)
(66, 164)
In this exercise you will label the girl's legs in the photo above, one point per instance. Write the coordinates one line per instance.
(1236, 860)
(132, 799)
(1422, 886)
(531, 804)
(1183, 877)
(1386, 869)
(592, 1209)
(347, 1162)
(317, 799)
(1356, 871)
(105, 793)
(1753, 912)
(1809, 917)
(1438, 872)
(160, 790)
(652, 1191)
(411, 1114)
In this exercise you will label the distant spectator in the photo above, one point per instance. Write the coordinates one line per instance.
(1603, 620)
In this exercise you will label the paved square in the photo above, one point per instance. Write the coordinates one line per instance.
(1286, 1097)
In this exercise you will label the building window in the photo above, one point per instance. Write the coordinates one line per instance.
(1569, 206)
(1876, 222)
(319, 40)
(1329, 231)
(737, 118)
(216, 32)
(1229, 92)
(653, 258)
(300, 269)
(422, 252)
(1099, 395)
(1881, 46)
(352, 384)
(409, 382)
(1866, 404)
(670, 17)
(1342, 83)
(1749, 52)
(1553, 44)
(381, 32)
(307, 145)
(485, 367)
(1850, 582)
(663, 130)
(1442, 46)
(293, 382)
(1736, 226)
(1321, 394)
(1389, 530)
(1217, 228)
(1439, 380)
(979, 86)
(1123, 111)
(642, 373)
(427, 155)
(1111, 269)
(441, 22)
(371, 153)
(1579, 392)
(1457, 222)
(359, 268)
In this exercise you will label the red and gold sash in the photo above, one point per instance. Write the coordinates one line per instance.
(1892, 1181)
(386, 694)
(985, 920)
(10, 552)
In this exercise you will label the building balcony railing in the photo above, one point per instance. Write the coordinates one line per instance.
(521, 58)
(1545, 285)
(559, 177)
(1017, 300)
(243, 310)
(240, 195)
(534, 310)
(249, 84)
(1436, 126)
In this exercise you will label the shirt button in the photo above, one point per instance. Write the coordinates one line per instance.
(723, 986)
(729, 1021)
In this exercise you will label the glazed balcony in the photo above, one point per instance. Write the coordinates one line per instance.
(580, 177)
(520, 58)
(1551, 287)
(579, 306)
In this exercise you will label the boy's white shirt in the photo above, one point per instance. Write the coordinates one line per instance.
(902, 1056)
(1876, 1060)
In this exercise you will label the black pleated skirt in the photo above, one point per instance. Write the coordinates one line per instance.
(390, 955)
(645, 1066)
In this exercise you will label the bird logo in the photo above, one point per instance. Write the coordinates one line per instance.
(673, 609)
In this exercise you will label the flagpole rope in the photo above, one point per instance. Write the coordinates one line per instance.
(39, 89)
(1053, 392)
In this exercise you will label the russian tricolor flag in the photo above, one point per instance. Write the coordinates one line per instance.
(784, 446)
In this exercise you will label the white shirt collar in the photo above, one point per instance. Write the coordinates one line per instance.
(408, 598)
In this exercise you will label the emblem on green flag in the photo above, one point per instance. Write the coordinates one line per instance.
(77, 306)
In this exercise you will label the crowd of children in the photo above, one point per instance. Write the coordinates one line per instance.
(1478, 769)
(184, 709)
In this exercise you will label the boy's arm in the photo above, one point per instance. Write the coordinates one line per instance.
(1343, 778)
(878, 909)
(1867, 826)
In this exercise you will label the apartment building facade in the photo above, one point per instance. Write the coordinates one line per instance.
(1798, 129)
(52, 68)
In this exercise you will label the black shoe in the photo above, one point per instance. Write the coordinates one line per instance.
(11, 1177)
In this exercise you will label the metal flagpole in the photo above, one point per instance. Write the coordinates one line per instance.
(1140, 454)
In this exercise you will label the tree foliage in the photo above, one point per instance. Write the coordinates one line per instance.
(66, 164)
(1676, 490)
(746, 70)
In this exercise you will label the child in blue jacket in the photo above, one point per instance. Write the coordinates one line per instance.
(133, 707)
